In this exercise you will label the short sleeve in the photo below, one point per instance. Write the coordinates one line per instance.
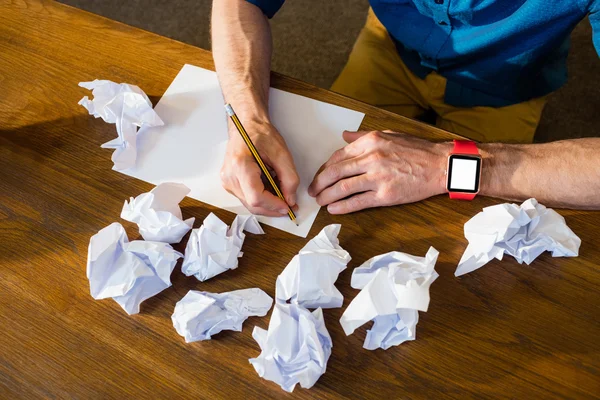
(268, 7)
(595, 21)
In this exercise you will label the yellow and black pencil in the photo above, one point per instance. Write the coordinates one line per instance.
(261, 164)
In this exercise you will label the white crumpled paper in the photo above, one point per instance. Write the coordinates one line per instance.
(199, 315)
(308, 280)
(395, 286)
(157, 213)
(524, 232)
(129, 272)
(213, 249)
(126, 106)
(295, 349)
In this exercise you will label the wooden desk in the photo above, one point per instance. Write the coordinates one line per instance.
(507, 330)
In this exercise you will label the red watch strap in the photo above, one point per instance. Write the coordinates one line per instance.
(461, 196)
(464, 147)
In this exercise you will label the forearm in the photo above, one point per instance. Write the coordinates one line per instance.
(559, 174)
(241, 38)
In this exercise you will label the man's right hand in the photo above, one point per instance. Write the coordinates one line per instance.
(241, 175)
(242, 49)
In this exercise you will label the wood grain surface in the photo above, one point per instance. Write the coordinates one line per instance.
(506, 330)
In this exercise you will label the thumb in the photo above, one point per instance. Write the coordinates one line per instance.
(288, 177)
(350, 136)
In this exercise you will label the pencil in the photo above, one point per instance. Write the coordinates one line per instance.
(261, 164)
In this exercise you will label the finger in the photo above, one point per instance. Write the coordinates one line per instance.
(355, 203)
(254, 192)
(333, 173)
(287, 176)
(234, 188)
(344, 188)
(345, 153)
(393, 134)
(350, 136)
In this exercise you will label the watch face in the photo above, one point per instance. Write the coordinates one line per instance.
(463, 173)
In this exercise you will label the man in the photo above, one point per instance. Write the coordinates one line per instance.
(484, 68)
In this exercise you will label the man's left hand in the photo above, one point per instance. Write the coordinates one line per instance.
(380, 169)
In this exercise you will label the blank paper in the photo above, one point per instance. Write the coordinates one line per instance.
(190, 147)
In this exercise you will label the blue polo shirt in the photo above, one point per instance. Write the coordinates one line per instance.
(492, 52)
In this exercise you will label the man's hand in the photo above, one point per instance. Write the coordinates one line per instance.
(241, 39)
(241, 175)
(380, 169)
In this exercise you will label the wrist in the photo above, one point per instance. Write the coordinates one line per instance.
(499, 164)
(487, 169)
(254, 118)
(261, 133)
(249, 106)
(250, 115)
(253, 115)
(442, 151)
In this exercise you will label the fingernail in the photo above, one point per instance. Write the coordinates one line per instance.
(283, 212)
(293, 200)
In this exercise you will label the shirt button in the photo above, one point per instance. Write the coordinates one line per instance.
(439, 1)
(443, 23)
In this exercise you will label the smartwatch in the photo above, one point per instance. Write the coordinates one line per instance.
(464, 170)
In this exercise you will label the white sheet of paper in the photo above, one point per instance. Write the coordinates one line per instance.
(295, 349)
(392, 330)
(214, 248)
(126, 106)
(190, 147)
(309, 278)
(129, 272)
(199, 315)
(523, 231)
(157, 213)
(394, 288)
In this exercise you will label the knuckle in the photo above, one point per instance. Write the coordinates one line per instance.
(344, 187)
(373, 136)
(253, 210)
(294, 180)
(333, 172)
(237, 163)
(385, 193)
(376, 155)
(225, 178)
(337, 154)
(356, 202)
(253, 201)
